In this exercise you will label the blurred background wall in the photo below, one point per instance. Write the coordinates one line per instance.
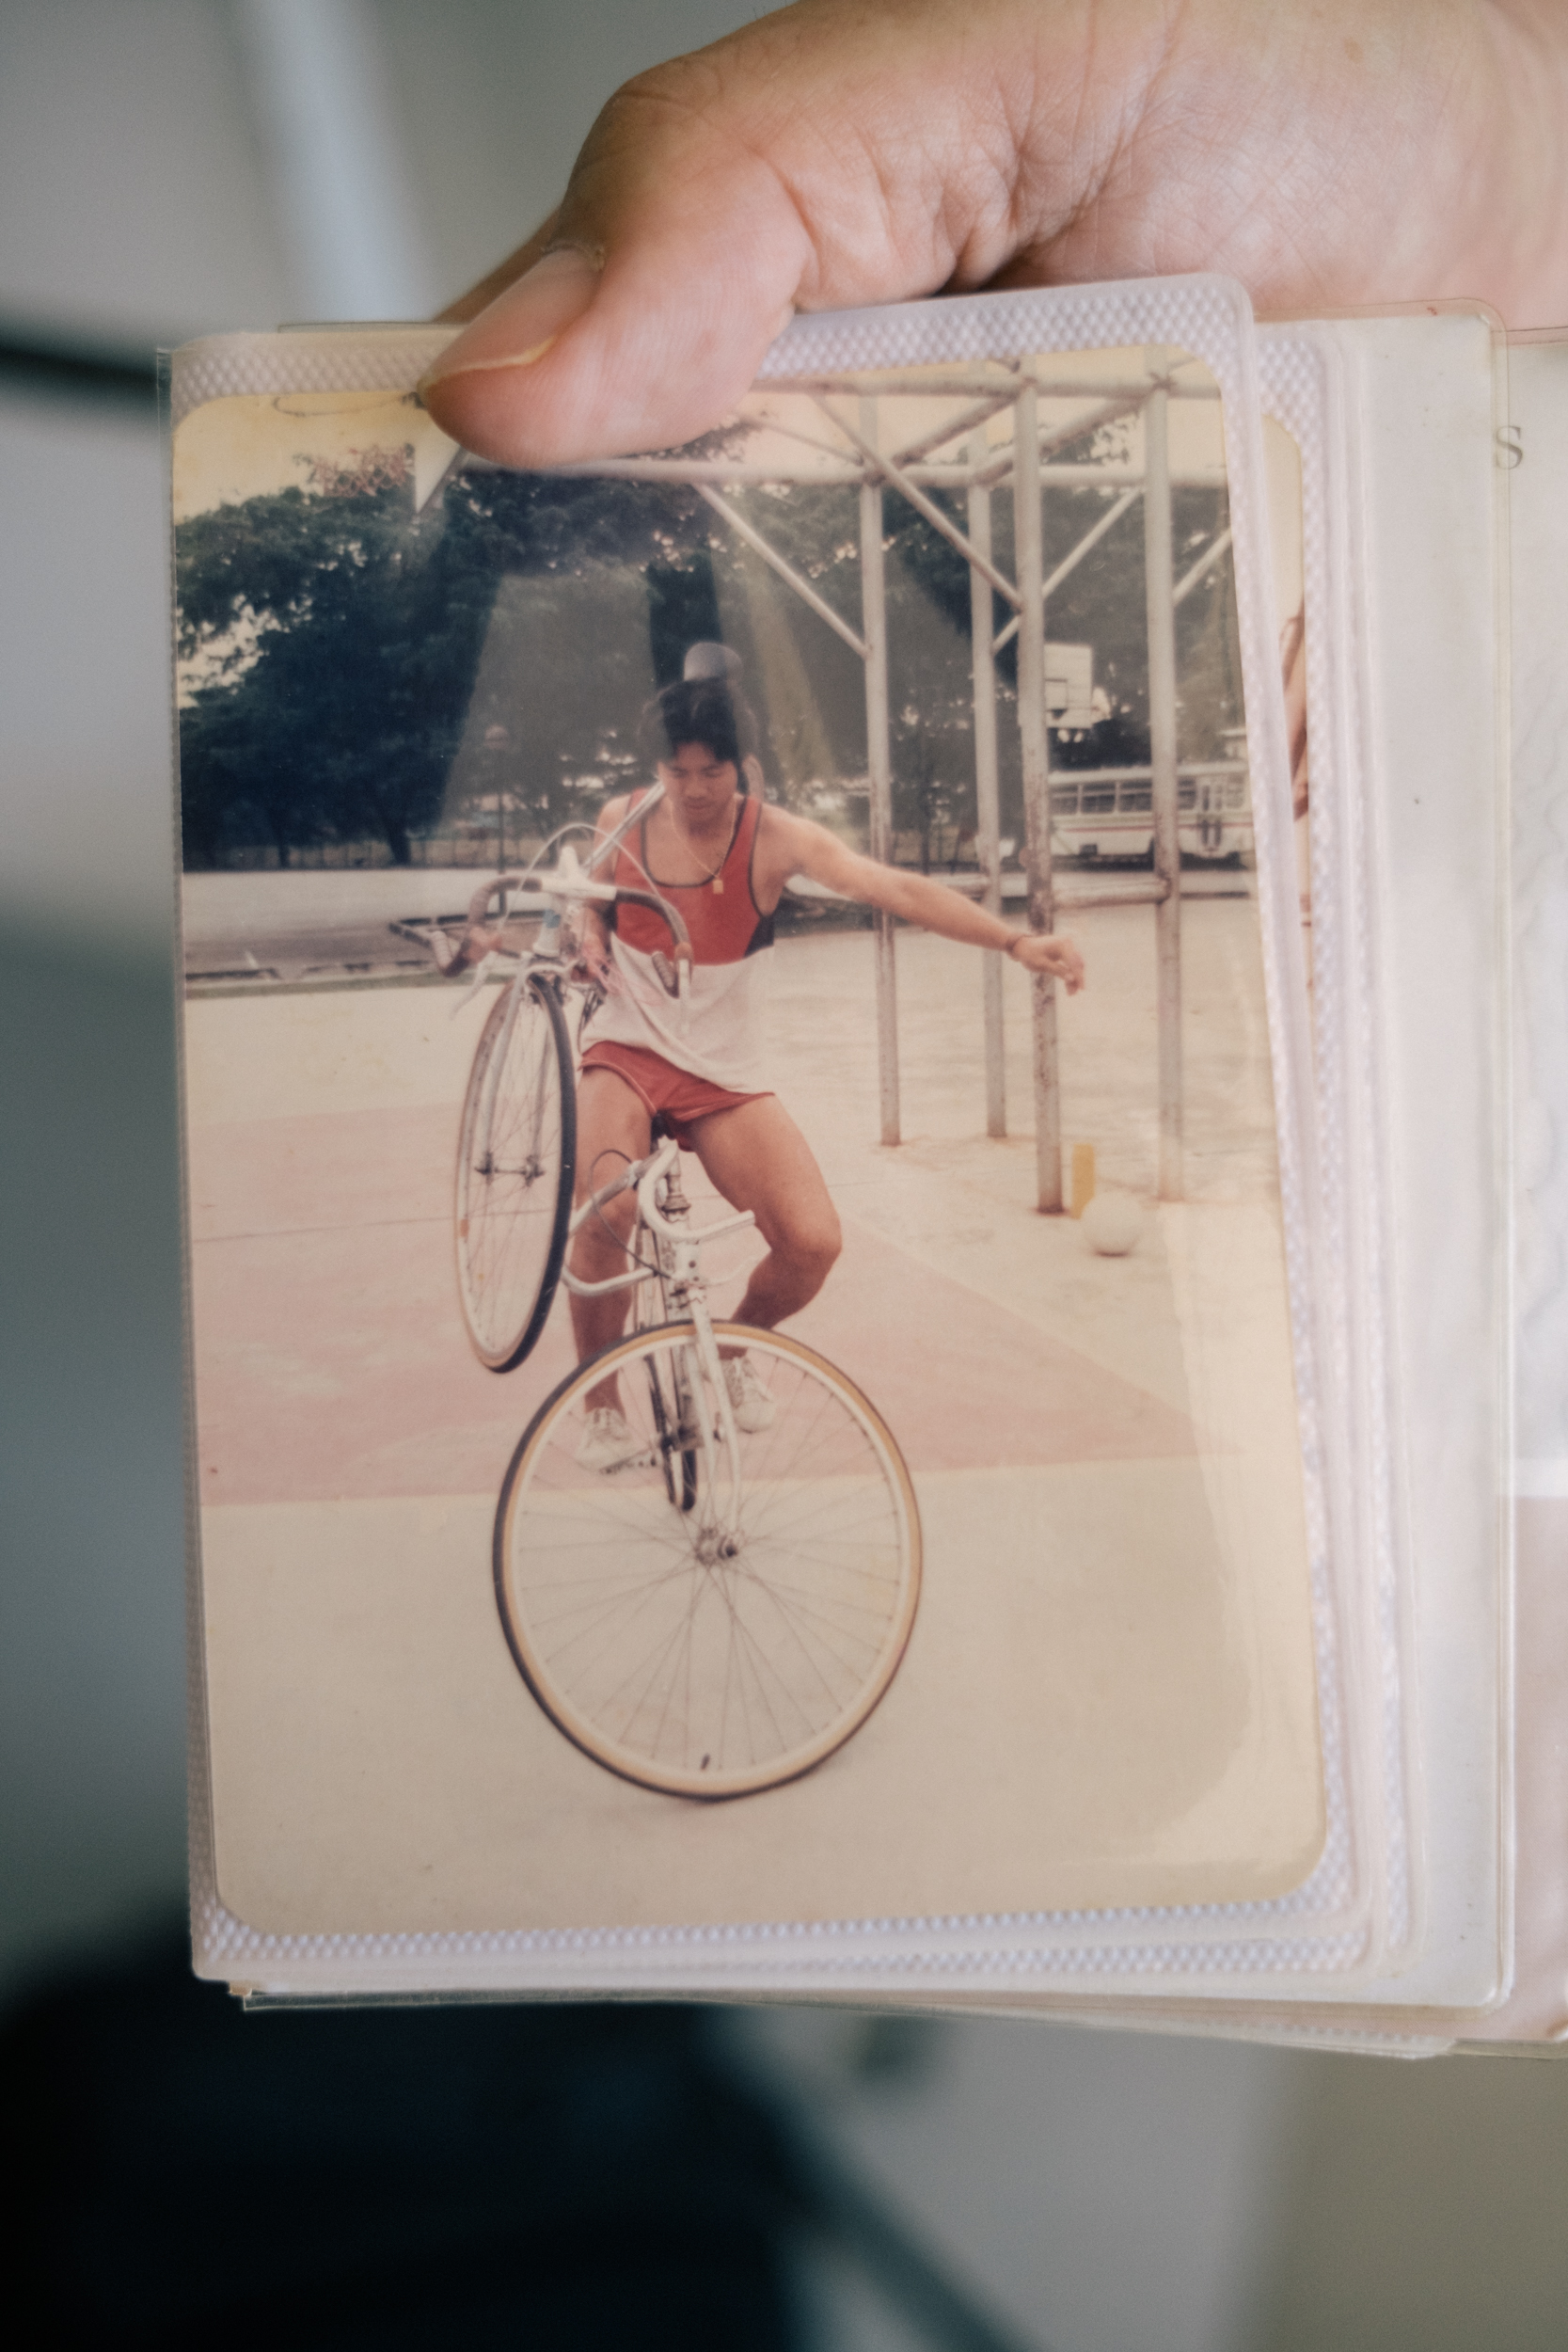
(169, 168)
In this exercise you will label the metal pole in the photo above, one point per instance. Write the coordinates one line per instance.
(786, 572)
(988, 804)
(1070, 564)
(1028, 569)
(1158, 569)
(898, 479)
(828, 472)
(878, 760)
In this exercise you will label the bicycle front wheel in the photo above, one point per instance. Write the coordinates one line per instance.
(517, 1147)
(697, 1633)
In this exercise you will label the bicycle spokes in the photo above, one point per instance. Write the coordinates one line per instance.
(726, 1640)
(516, 1152)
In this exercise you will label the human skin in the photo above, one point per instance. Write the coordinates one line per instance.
(1325, 152)
(756, 1157)
(754, 1154)
(690, 833)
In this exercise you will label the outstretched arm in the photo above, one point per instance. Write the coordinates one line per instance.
(797, 847)
(841, 151)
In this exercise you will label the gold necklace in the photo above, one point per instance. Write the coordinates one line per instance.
(714, 873)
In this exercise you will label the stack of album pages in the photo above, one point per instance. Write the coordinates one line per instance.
(878, 1176)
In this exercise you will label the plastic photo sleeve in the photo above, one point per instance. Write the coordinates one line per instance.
(753, 1197)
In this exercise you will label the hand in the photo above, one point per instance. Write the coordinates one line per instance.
(591, 959)
(592, 966)
(453, 956)
(841, 152)
(1041, 951)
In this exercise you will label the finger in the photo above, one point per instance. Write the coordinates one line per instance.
(823, 157)
(846, 152)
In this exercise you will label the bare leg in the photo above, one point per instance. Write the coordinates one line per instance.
(759, 1160)
(613, 1127)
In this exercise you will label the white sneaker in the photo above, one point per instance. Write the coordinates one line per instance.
(754, 1409)
(608, 1443)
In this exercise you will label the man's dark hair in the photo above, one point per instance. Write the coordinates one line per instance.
(698, 711)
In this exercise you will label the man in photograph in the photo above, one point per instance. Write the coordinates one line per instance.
(723, 855)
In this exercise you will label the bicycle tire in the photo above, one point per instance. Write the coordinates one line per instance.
(695, 1674)
(516, 1152)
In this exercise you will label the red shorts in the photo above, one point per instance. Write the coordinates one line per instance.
(678, 1096)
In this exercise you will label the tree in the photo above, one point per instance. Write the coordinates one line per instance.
(340, 639)
(357, 669)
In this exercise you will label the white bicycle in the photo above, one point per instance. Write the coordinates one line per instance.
(719, 1609)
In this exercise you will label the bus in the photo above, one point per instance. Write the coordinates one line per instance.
(1105, 815)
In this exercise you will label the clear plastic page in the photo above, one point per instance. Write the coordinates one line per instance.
(1106, 1611)
(1407, 451)
(1102, 1727)
(1535, 458)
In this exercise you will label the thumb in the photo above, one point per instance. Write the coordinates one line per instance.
(821, 157)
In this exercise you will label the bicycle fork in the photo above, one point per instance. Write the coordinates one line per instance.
(685, 1293)
(678, 1272)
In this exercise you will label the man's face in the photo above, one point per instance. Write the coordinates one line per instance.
(701, 786)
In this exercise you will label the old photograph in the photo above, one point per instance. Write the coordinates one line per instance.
(744, 1364)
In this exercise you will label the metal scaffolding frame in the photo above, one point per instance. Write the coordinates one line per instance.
(1034, 461)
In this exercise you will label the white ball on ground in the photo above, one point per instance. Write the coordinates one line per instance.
(1112, 1222)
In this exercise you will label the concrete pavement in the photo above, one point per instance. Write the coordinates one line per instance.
(1109, 1696)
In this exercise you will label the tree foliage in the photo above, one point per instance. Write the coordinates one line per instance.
(342, 633)
(357, 671)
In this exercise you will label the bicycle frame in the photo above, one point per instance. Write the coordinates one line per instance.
(572, 879)
(571, 883)
(678, 1270)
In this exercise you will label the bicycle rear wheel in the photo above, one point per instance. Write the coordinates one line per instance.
(517, 1149)
(720, 1647)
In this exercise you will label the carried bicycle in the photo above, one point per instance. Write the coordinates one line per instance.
(516, 1151)
(716, 1610)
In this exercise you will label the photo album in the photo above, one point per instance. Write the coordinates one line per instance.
(876, 1169)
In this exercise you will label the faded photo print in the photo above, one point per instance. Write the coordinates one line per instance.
(743, 1359)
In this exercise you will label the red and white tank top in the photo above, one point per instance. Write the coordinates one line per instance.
(720, 1034)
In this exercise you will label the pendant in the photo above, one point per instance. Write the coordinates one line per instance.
(718, 885)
